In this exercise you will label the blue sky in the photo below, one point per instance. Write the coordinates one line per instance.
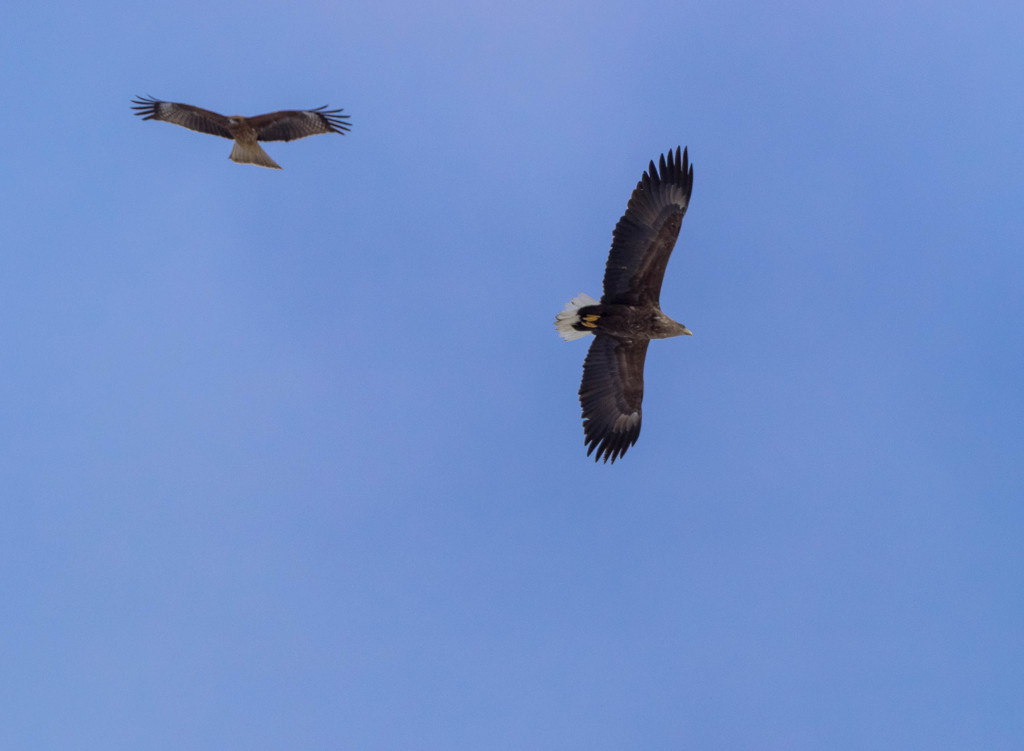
(293, 459)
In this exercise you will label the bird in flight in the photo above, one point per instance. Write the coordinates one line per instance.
(285, 125)
(629, 313)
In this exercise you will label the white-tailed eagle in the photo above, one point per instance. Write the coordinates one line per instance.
(286, 125)
(629, 313)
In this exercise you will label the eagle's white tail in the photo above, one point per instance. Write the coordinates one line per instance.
(252, 153)
(564, 321)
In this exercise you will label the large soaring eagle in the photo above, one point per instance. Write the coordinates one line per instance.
(286, 125)
(629, 314)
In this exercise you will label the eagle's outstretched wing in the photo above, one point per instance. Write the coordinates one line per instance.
(287, 125)
(645, 235)
(185, 115)
(611, 393)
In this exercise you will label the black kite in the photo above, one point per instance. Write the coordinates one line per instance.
(286, 125)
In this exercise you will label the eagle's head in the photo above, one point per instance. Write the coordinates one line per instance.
(665, 328)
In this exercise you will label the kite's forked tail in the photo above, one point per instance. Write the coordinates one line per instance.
(567, 320)
(252, 153)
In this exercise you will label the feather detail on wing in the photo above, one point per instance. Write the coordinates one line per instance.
(611, 394)
(646, 234)
(185, 115)
(288, 125)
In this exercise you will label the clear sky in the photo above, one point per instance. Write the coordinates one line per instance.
(294, 460)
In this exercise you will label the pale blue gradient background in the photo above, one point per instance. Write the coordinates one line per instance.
(293, 460)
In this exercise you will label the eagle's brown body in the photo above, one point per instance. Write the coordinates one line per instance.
(629, 322)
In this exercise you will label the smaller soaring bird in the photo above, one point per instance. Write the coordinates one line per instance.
(286, 125)
(629, 313)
